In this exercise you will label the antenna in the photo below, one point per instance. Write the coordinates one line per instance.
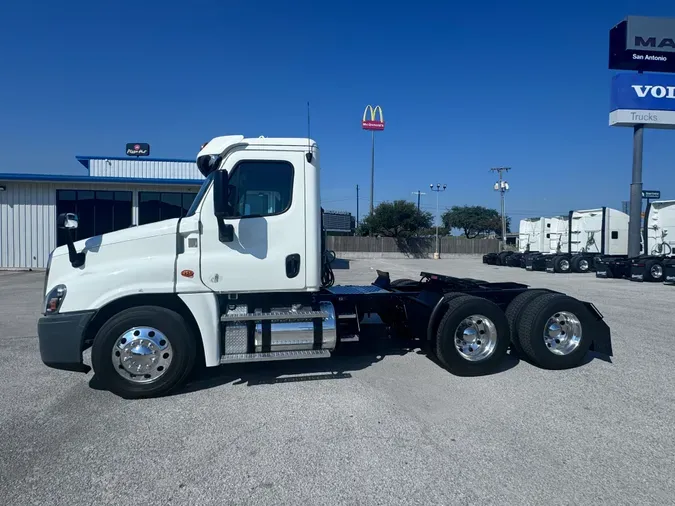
(308, 156)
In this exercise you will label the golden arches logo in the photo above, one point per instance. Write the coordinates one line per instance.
(372, 123)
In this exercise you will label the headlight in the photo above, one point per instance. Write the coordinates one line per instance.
(54, 300)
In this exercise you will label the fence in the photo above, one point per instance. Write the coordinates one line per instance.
(418, 247)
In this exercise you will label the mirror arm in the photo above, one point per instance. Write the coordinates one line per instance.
(76, 259)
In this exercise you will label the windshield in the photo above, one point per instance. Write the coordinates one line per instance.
(200, 195)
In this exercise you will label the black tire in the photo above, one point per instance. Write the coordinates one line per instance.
(580, 264)
(561, 264)
(169, 323)
(502, 257)
(458, 309)
(514, 312)
(650, 275)
(532, 326)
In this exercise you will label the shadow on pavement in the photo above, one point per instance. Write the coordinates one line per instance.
(349, 357)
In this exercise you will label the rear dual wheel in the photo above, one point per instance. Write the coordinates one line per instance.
(472, 337)
(549, 329)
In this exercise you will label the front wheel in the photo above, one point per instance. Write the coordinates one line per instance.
(144, 351)
(473, 336)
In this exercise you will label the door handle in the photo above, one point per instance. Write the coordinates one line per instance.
(292, 265)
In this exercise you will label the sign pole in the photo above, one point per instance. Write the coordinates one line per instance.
(634, 227)
(372, 124)
(372, 172)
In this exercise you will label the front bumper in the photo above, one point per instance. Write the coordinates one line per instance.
(61, 338)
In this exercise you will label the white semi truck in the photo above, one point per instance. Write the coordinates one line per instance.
(590, 233)
(244, 277)
(657, 247)
(538, 239)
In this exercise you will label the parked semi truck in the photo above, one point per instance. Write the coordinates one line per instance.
(244, 277)
(591, 233)
(556, 241)
(531, 239)
(657, 245)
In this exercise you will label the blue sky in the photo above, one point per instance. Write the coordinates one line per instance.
(464, 86)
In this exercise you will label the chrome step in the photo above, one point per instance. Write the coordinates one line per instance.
(274, 315)
(273, 355)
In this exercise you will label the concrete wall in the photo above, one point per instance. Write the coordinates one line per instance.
(28, 218)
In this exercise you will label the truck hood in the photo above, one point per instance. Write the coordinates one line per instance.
(136, 260)
(147, 231)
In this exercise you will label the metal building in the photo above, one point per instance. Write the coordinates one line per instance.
(116, 193)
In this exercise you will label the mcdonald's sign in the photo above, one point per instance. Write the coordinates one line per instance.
(372, 123)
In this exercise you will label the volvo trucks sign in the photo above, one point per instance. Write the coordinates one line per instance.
(643, 99)
(644, 44)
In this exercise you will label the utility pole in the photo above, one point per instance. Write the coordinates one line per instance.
(438, 190)
(624, 206)
(418, 193)
(502, 187)
(357, 205)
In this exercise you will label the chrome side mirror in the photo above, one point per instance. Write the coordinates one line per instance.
(67, 221)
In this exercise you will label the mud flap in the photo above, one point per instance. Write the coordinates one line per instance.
(602, 336)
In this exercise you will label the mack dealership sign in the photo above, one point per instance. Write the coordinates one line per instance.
(644, 44)
(643, 99)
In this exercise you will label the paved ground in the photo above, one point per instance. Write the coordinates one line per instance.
(381, 426)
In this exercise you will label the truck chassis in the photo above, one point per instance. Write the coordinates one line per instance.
(468, 325)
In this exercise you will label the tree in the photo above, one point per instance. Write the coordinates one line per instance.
(397, 219)
(474, 220)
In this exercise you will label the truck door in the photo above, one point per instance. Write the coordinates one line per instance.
(266, 250)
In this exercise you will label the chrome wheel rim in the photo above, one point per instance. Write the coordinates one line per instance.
(142, 355)
(564, 265)
(476, 338)
(656, 271)
(583, 265)
(562, 333)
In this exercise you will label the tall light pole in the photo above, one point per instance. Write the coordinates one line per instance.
(502, 187)
(418, 193)
(438, 190)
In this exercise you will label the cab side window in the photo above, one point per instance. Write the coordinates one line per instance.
(261, 188)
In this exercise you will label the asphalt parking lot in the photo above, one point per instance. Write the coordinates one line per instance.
(379, 425)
